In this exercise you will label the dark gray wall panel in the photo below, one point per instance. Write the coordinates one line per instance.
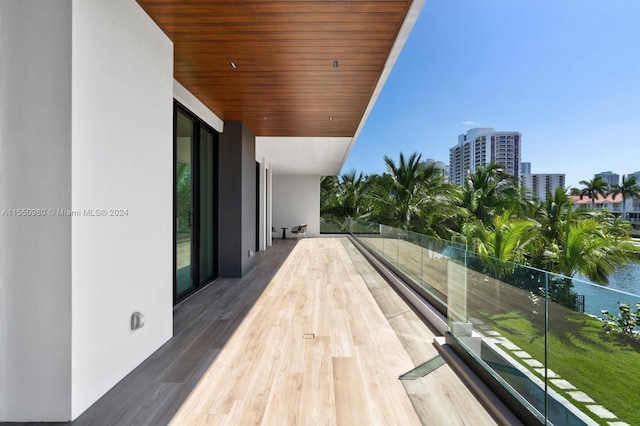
(237, 200)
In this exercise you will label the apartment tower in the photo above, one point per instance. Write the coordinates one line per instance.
(481, 146)
(609, 177)
(542, 184)
(636, 175)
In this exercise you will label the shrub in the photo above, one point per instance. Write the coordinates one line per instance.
(625, 323)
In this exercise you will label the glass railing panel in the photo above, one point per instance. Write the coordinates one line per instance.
(419, 258)
(434, 267)
(369, 234)
(591, 363)
(499, 324)
(414, 257)
(362, 227)
(333, 225)
(541, 335)
(390, 244)
(457, 278)
(593, 298)
(410, 255)
(556, 359)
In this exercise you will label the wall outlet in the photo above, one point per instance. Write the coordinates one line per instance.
(250, 253)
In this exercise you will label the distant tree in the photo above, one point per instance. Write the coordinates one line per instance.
(407, 177)
(574, 191)
(570, 242)
(628, 189)
(523, 205)
(440, 212)
(378, 199)
(414, 196)
(556, 210)
(343, 196)
(489, 191)
(551, 215)
(328, 192)
(593, 188)
(353, 189)
(184, 197)
(503, 243)
(594, 246)
(587, 247)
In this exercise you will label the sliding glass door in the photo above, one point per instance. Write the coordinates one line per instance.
(196, 153)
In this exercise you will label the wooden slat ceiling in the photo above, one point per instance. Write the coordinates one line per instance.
(285, 83)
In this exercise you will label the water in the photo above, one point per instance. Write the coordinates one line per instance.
(625, 282)
(626, 279)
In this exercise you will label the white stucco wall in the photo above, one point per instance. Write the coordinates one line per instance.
(85, 125)
(122, 160)
(264, 230)
(296, 200)
(35, 173)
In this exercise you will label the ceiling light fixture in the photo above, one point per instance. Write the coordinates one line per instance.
(330, 118)
(266, 116)
(335, 64)
(233, 65)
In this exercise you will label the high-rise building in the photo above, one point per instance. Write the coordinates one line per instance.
(542, 184)
(636, 174)
(525, 168)
(481, 146)
(609, 177)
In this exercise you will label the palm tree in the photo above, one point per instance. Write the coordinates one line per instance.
(592, 246)
(551, 215)
(418, 197)
(379, 204)
(353, 189)
(488, 191)
(629, 188)
(328, 193)
(407, 178)
(556, 209)
(442, 213)
(574, 191)
(590, 250)
(504, 243)
(593, 188)
(343, 196)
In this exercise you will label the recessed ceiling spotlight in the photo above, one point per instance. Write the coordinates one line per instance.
(266, 117)
(233, 65)
(335, 64)
(330, 118)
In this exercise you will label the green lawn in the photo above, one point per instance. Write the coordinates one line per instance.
(600, 365)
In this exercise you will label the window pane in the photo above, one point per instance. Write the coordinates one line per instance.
(184, 205)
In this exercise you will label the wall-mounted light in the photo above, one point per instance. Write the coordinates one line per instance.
(137, 320)
(233, 65)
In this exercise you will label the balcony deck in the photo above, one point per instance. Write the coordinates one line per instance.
(312, 335)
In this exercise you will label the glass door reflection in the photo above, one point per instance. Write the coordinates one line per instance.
(184, 205)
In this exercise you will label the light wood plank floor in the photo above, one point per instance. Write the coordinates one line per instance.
(312, 335)
(325, 344)
(314, 349)
(439, 398)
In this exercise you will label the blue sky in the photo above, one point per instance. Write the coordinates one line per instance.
(564, 73)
